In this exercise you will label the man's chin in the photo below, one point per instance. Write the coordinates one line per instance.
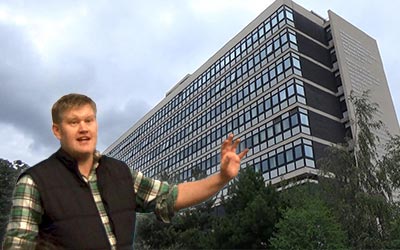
(83, 154)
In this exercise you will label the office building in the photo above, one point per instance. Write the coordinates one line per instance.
(281, 85)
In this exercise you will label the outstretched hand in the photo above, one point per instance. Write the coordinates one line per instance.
(230, 160)
(194, 192)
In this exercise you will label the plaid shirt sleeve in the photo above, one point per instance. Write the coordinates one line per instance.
(155, 196)
(25, 216)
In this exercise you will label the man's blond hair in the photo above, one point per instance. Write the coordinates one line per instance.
(68, 102)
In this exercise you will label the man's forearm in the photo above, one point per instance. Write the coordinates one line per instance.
(25, 216)
(192, 193)
(14, 243)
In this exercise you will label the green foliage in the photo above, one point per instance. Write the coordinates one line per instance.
(187, 230)
(390, 164)
(393, 240)
(307, 223)
(351, 207)
(360, 184)
(8, 176)
(252, 211)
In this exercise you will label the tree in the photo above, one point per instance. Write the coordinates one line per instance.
(187, 230)
(390, 165)
(360, 184)
(8, 176)
(307, 223)
(252, 210)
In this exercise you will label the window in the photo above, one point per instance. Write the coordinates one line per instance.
(278, 128)
(247, 116)
(240, 95)
(282, 95)
(289, 15)
(256, 139)
(296, 62)
(262, 135)
(284, 39)
(287, 63)
(294, 120)
(246, 91)
(289, 155)
(257, 167)
(232, 56)
(235, 123)
(249, 142)
(277, 44)
(252, 87)
(275, 100)
(272, 162)
(258, 83)
(260, 108)
(292, 38)
(261, 32)
(238, 73)
(263, 54)
(281, 15)
(268, 104)
(285, 124)
(308, 151)
(304, 119)
(241, 120)
(270, 132)
(237, 51)
(264, 165)
(281, 159)
(244, 68)
(272, 73)
(274, 21)
(267, 27)
(269, 49)
(290, 90)
(257, 59)
(265, 78)
(251, 64)
(228, 103)
(279, 68)
(298, 152)
(247, 44)
(300, 89)
(254, 113)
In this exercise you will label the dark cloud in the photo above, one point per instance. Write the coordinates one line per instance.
(115, 120)
(124, 54)
(22, 100)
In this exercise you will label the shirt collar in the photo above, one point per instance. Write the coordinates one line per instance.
(96, 159)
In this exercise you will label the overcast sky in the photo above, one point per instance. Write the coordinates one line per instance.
(126, 54)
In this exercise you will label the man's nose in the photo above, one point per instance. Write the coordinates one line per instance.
(83, 127)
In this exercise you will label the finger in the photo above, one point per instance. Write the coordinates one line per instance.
(228, 141)
(243, 153)
(226, 144)
(235, 144)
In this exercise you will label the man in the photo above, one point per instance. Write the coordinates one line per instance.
(79, 199)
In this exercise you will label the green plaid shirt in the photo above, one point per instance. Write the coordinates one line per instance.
(26, 212)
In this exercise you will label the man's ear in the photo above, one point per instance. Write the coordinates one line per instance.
(56, 130)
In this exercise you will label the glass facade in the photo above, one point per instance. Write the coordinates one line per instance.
(256, 90)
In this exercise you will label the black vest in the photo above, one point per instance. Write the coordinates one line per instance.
(71, 219)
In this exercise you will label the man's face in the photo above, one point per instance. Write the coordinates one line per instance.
(77, 131)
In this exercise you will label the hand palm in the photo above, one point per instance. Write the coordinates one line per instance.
(230, 160)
